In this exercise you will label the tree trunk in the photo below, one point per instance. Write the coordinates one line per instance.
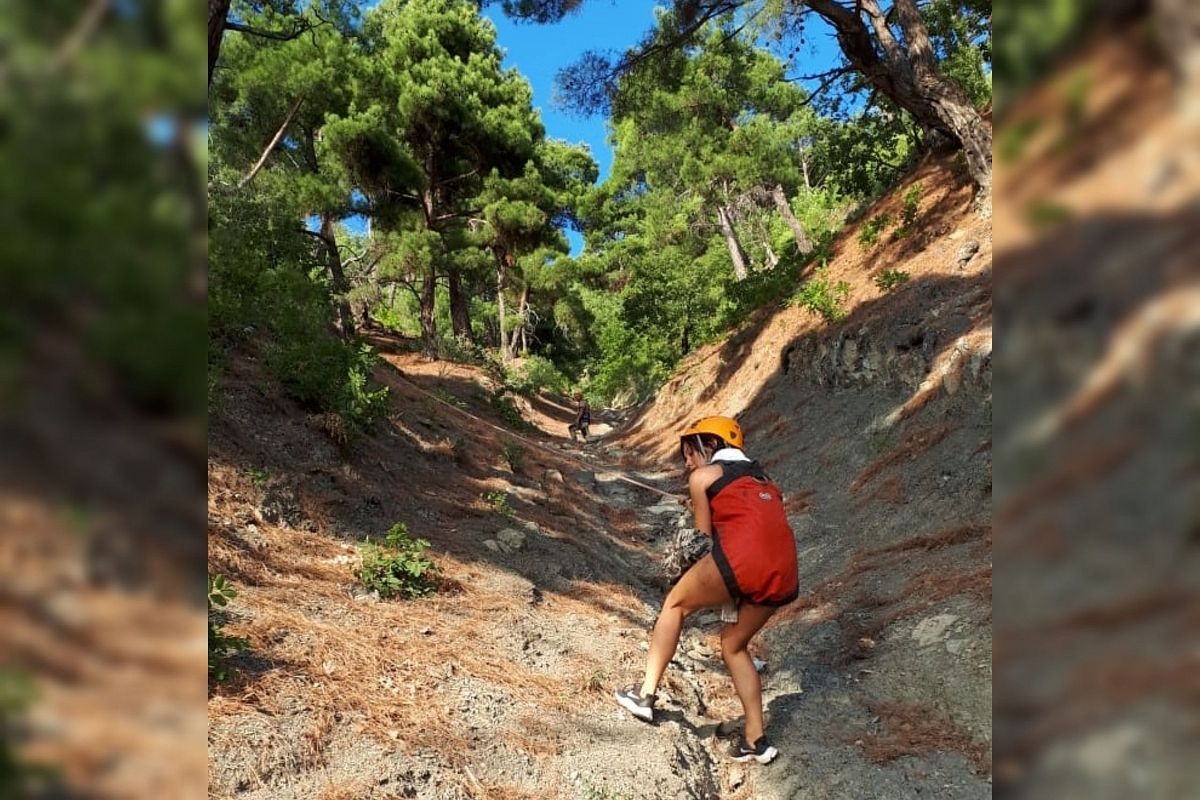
(337, 276)
(426, 315)
(500, 270)
(525, 321)
(803, 244)
(522, 307)
(912, 81)
(736, 254)
(460, 308)
(772, 259)
(218, 12)
(804, 166)
(950, 103)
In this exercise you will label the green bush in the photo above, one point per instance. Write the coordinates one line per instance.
(890, 279)
(908, 214)
(220, 645)
(536, 374)
(823, 297)
(868, 234)
(398, 566)
(498, 500)
(327, 374)
(508, 411)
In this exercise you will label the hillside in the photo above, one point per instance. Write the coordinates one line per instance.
(877, 682)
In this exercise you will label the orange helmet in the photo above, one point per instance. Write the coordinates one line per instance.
(724, 427)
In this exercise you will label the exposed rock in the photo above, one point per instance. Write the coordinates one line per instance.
(967, 252)
(933, 629)
(510, 540)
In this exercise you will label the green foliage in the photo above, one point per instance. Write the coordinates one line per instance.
(513, 453)
(890, 279)
(221, 646)
(590, 791)
(1015, 137)
(535, 374)
(328, 375)
(868, 233)
(258, 477)
(398, 567)
(908, 214)
(498, 500)
(823, 297)
(18, 777)
(508, 411)
(912, 202)
(1046, 214)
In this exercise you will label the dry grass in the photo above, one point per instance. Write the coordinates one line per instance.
(909, 730)
(947, 537)
(798, 502)
(890, 492)
(913, 445)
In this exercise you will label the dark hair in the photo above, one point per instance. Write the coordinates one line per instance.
(712, 443)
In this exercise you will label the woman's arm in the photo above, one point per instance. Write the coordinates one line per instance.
(698, 484)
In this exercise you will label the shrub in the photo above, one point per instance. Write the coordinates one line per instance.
(823, 297)
(908, 214)
(221, 646)
(890, 279)
(513, 453)
(329, 375)
(498, 500)
(398, 566)
(868, 234)
(508, 411)
(534, 375)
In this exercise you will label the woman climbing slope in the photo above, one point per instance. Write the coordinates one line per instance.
(753, 562)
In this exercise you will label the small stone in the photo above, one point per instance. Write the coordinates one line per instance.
(492, 544)
(955, 646)
(736, 778)
(967, 252)
(644, 645)
(554, 476)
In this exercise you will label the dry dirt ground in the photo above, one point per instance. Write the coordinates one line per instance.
(877, 681)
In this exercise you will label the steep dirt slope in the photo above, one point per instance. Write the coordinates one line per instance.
(878, 430)
(499, 686)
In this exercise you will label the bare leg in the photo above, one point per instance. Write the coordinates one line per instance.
(734, 638)
(700, 587)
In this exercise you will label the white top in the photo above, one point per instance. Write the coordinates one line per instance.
(729, 454)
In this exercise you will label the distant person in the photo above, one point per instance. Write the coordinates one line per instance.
(583, 418)
(753, 563)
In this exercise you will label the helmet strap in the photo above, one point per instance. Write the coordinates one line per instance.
(700, 448)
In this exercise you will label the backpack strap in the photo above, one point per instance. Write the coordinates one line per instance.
(731, 471)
